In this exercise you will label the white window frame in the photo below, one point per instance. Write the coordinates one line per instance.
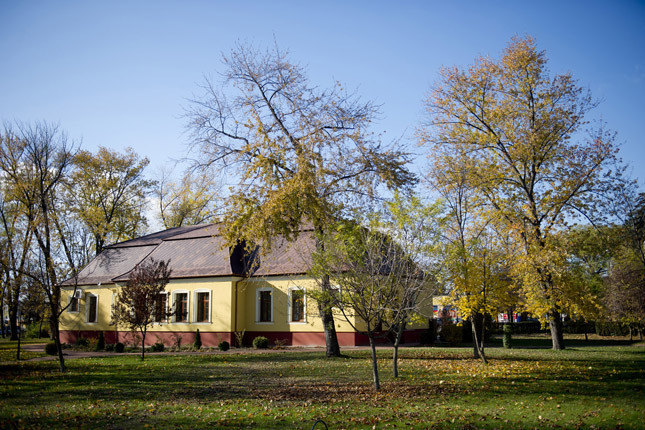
(78, 305)
(337, 288)
(174, 306)
(258, 307)
(290, 305)
(168, 317)
(196, 305)
(87, 308)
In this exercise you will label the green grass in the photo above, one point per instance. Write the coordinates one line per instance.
(8, 349)
(587, 387)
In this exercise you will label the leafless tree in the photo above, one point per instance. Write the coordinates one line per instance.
(137, 304)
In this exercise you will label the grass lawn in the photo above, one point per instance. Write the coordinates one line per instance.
(8, 349)
(581, 387)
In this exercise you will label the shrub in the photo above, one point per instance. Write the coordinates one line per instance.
(50, 348)
(100, 344)
(611, 328)
(260, 342)
(239, 337)
(279, 343)
(426, 337)
(450, 333)
(198, 340)
(81, 342)
(92, 344)
(508, 332)
(157, 347)
(223, 346)
(109, 347)
(32, 331)
(119, 347)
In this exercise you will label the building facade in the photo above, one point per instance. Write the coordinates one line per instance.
(218, 290)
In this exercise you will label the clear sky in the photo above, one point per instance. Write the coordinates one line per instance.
(118, 73)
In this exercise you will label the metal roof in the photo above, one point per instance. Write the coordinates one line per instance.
(196, 251)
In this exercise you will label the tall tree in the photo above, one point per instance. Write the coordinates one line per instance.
(35, 164)
(137, 304)
(109, 194)
(297, 153)
(520, 131)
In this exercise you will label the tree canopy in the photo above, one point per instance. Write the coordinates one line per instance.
(518, 133)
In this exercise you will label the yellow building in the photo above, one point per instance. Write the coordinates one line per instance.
(213, 289)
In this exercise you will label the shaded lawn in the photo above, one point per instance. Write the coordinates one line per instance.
(8, 349)
(439, 388)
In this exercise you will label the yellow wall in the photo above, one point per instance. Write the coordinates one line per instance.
(247, 315)
(226, 294)
(221, 317)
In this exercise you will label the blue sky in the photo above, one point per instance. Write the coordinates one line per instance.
(118, 74)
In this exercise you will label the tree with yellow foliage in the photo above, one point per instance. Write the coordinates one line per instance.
(293, 153)
(519, 132)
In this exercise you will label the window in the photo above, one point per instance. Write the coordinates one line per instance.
(202, 306)
(161, 308)
(181, 307)
(264, 311)
(73, 304)
(296, 305)
(335, 296)
(92, 308)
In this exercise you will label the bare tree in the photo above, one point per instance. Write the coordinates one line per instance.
(35, 164)
(382, 270)
(137, 304)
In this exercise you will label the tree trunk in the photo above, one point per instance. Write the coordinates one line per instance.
(555, 324)
(377, 384)
(395, 354)
(18, 349)
(53, 320)
(13, 322)
(479, 352)
(631, 333)
(143, 345)
(331, 339)
(2, 326)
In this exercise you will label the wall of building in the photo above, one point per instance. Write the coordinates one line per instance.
(233, 308)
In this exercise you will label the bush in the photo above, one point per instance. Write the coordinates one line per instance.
(119, 347)
(451, 333)
(427, 337)
(508, 332)
(611, 328)
(157, 347)
(50, 348)
(81, 342)
(32, 331)
(198, 340)
(100, 345)
(223, 346)
(260, 342)
(579, 327)
(109, 347)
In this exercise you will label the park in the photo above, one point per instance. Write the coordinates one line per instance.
(593, 384)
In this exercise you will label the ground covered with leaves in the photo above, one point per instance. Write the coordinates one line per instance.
(590, 387)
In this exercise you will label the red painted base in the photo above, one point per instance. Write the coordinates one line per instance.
(214, 338)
